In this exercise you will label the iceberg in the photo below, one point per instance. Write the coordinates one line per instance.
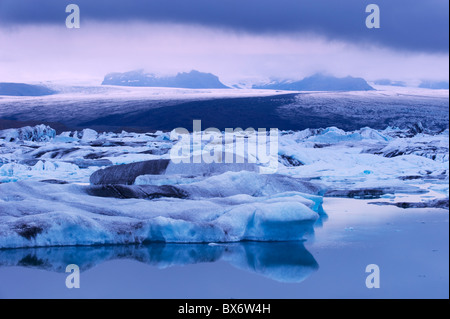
(89, 188)
(42, 170)
(334, 135)
(36, 214)
(434, 147)
(39, 133)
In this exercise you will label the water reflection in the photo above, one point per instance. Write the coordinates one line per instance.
(280, 261)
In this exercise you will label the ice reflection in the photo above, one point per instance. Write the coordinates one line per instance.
(280, 261)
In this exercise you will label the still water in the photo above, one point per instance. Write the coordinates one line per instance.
(410, 247)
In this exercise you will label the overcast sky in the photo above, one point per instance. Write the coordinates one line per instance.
(234, 39)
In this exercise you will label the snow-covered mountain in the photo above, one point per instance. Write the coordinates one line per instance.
(22, 89)
(192, 80)
(319, 82)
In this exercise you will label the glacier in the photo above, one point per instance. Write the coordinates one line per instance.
(141, 109)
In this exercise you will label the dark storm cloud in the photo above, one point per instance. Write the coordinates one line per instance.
(419, 25)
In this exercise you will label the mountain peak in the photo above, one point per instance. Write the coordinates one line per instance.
(320, 82)
(191, 80)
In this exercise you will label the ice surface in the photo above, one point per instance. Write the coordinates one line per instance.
(138, 195)
(126, 174)
(147, 109)
(39, 133)
(365, 162)
(433, 147)
(42, 169)
(42, 214)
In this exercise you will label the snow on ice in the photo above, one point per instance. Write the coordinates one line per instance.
(86, 187)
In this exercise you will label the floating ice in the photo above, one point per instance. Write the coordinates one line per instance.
(335, 135)
(39, 133)
(41, 214)
(148, 198)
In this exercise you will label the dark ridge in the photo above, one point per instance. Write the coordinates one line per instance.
(54, 181)
(134, 191)
(127, 173)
